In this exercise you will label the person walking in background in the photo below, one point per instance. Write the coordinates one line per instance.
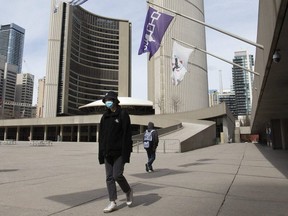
(115, 147)
(150, 142)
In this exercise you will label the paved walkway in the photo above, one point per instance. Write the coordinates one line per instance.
(66, 179)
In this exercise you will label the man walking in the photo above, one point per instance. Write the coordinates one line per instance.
(115, 147)
(150, 142)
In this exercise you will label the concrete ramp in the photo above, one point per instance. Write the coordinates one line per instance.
(192, 135)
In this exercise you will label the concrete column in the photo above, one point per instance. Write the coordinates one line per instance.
(222, 137)
(284, 133)
(237, 135)
(61, 132)
(225, 135)
(56, 132)
(276, 134)
(71, 132)
(31, 133)
(89, 131)
(78, 133)
(97, 132)
(17, 133)
(5, 133)
(45, 132)
(141, 129)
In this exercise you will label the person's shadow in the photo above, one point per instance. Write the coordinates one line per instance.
(84, 197)
(142, 200)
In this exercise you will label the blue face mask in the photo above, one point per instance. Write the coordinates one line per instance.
(109, 104)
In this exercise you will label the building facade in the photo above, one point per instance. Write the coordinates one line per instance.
(242, 82)
(88, 55)
(269, 116)
(228, 97)
(213, 98)
(12, 44)
(192, 93)
(24, 95)
(8, 74)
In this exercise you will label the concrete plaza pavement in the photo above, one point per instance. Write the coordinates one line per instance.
(66, 179)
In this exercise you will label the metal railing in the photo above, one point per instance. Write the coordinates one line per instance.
(41, 142)
(8, 142)
(164, 146)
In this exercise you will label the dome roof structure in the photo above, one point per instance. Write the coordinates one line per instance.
(133, 105)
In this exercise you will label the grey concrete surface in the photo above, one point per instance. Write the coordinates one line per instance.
(66, 179)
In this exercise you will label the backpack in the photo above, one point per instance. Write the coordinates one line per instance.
(147, 138)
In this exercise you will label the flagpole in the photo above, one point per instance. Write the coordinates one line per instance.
(218, 57)
(210, 26)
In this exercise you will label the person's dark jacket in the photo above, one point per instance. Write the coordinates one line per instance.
(115, 138)
(155, 138)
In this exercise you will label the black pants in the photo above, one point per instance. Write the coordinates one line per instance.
(151, 157)
(114, 173)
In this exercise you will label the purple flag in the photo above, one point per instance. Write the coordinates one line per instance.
(155, 26)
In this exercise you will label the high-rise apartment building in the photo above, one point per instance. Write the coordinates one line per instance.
(242, 82)
(213, 98)
(228, 97)
(88, 55)
(192, 93)
(12, 44)
(8, 74)
(24, 95)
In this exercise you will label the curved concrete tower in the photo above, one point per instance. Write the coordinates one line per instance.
(192, 92)
(88, 55)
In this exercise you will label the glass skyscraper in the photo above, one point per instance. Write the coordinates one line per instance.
(12, 44)
(242, 82)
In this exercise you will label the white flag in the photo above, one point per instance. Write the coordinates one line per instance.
(180, 57)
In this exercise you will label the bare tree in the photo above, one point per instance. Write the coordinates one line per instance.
(160, 103)
(247, 121)
(175, 103)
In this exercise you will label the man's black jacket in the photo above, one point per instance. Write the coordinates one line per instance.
(115, 137)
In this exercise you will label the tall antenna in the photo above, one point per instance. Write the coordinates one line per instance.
(220, 82)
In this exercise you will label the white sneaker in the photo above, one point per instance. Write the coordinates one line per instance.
(129, 196)
(111, 207)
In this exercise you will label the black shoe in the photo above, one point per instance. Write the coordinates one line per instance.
(146, 168)
(151, 169)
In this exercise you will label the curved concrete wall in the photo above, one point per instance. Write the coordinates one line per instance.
(192, 92)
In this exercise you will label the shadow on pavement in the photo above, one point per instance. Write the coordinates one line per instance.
(83, 197)
(192, 164)
(8, 170)
(143, 200)
(278, 158)
(158, 173)
(73, 199)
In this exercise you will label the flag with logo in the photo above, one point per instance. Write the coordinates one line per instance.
(180, 57)
(70, 2)
(155, 26)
